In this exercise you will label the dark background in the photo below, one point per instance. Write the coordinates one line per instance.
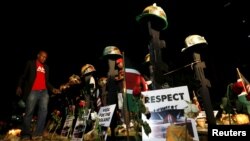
(76, 33)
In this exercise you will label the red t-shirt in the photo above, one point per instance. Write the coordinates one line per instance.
(39, 83)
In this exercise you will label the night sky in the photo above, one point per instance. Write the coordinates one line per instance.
(76, 33)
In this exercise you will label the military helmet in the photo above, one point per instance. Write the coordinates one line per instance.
(87, 68)
(194, 40)
(156, 15)
(112, 51)
(74, 79)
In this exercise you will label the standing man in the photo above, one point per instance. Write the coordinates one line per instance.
(34, 85)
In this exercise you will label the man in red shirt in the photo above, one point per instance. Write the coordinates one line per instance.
(35, 84)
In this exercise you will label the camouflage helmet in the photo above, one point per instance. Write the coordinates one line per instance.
(87, 68)
(112, 51)
(193, 40)
(74, 79)
(156, 15)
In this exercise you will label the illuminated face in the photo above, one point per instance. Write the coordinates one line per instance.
(42, 56)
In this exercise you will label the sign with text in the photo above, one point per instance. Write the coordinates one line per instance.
(105, 115)
(166, 107)
(164, 99)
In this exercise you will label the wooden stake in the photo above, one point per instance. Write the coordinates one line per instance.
(125, 105)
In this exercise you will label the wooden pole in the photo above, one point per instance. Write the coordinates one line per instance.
(203, 90)
(125, 104)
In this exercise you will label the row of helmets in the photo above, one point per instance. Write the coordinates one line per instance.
(191, 41)
(111, 51)
(158, 17)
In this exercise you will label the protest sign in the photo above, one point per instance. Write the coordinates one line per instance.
(105, 115)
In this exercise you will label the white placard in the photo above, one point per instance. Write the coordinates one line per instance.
(170, 98)
(166, 107)
(105, 115)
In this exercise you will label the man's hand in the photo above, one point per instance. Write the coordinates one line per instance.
(19, 91)
(56, 91)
